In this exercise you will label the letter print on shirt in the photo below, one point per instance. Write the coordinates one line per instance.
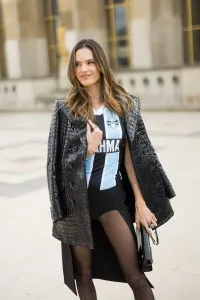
(103, 167)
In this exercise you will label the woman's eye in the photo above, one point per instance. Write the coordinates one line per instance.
(91, 62)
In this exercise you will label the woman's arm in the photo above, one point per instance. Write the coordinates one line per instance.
(143, 214)
(131, 175)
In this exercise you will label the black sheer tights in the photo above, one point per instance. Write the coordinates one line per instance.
(121, 239)
(85, 285)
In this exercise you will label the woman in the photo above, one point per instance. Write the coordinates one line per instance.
(103, 175)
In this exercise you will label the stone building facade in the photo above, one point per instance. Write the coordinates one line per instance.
(152, 45)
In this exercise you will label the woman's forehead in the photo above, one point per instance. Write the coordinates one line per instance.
(84, 54)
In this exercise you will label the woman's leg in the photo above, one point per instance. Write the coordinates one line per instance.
(83, 260)
(121, 239)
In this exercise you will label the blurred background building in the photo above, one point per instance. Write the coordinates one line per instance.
(152, 45)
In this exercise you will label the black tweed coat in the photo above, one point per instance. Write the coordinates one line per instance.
(67, 180)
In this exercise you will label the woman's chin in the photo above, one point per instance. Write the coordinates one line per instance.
(87, 84)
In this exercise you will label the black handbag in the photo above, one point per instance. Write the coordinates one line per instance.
(144, 248)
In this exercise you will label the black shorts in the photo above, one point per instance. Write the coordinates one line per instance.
(104, 201)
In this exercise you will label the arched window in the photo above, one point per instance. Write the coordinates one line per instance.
(191, 27)
(3, 71)
(117, 17)
(51, 20)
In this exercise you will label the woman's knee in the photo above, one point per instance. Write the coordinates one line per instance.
(136, 281)
(84, 275)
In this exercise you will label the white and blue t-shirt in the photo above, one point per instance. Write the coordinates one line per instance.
(103, 168)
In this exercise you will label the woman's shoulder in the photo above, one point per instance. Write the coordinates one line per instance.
(136, 104)
(65, 114)
(60, 105)
(136, 99)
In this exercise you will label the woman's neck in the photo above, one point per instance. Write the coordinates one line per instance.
(96, 103)
(94, 93)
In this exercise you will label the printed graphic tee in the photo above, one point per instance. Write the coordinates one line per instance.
(103, 168)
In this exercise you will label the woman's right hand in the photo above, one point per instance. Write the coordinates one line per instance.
(94, 136)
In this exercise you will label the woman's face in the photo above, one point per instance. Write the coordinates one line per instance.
(86, 70)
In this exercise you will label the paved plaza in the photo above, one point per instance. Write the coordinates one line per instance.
(30, 258)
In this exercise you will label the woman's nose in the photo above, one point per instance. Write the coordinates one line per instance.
(84, 68)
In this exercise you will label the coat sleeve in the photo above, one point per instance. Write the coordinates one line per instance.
(149, 151)
(52, 163)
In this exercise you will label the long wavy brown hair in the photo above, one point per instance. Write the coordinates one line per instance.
(112, 94)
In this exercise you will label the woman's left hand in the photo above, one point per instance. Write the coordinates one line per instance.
(144, 216)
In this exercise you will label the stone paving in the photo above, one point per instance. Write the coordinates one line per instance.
(30, 260)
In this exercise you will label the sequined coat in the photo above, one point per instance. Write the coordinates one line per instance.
(66, 174)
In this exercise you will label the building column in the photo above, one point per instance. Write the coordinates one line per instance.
(167, 40)
(83, 19)
(2, 39)
(26, 46)
(12, 38)
(66, 39)
(33, 43)
(79, 19)
(140, 32)
(91, 23)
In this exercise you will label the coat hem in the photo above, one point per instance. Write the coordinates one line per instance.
(166, 220)
(72, 243)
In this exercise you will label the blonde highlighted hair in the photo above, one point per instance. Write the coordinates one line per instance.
(111, 93)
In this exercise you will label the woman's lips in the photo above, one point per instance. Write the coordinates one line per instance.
(85, 76)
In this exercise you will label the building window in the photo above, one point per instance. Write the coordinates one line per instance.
(51, 21)
(117, 18)
(3, 71)
(191, 26)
